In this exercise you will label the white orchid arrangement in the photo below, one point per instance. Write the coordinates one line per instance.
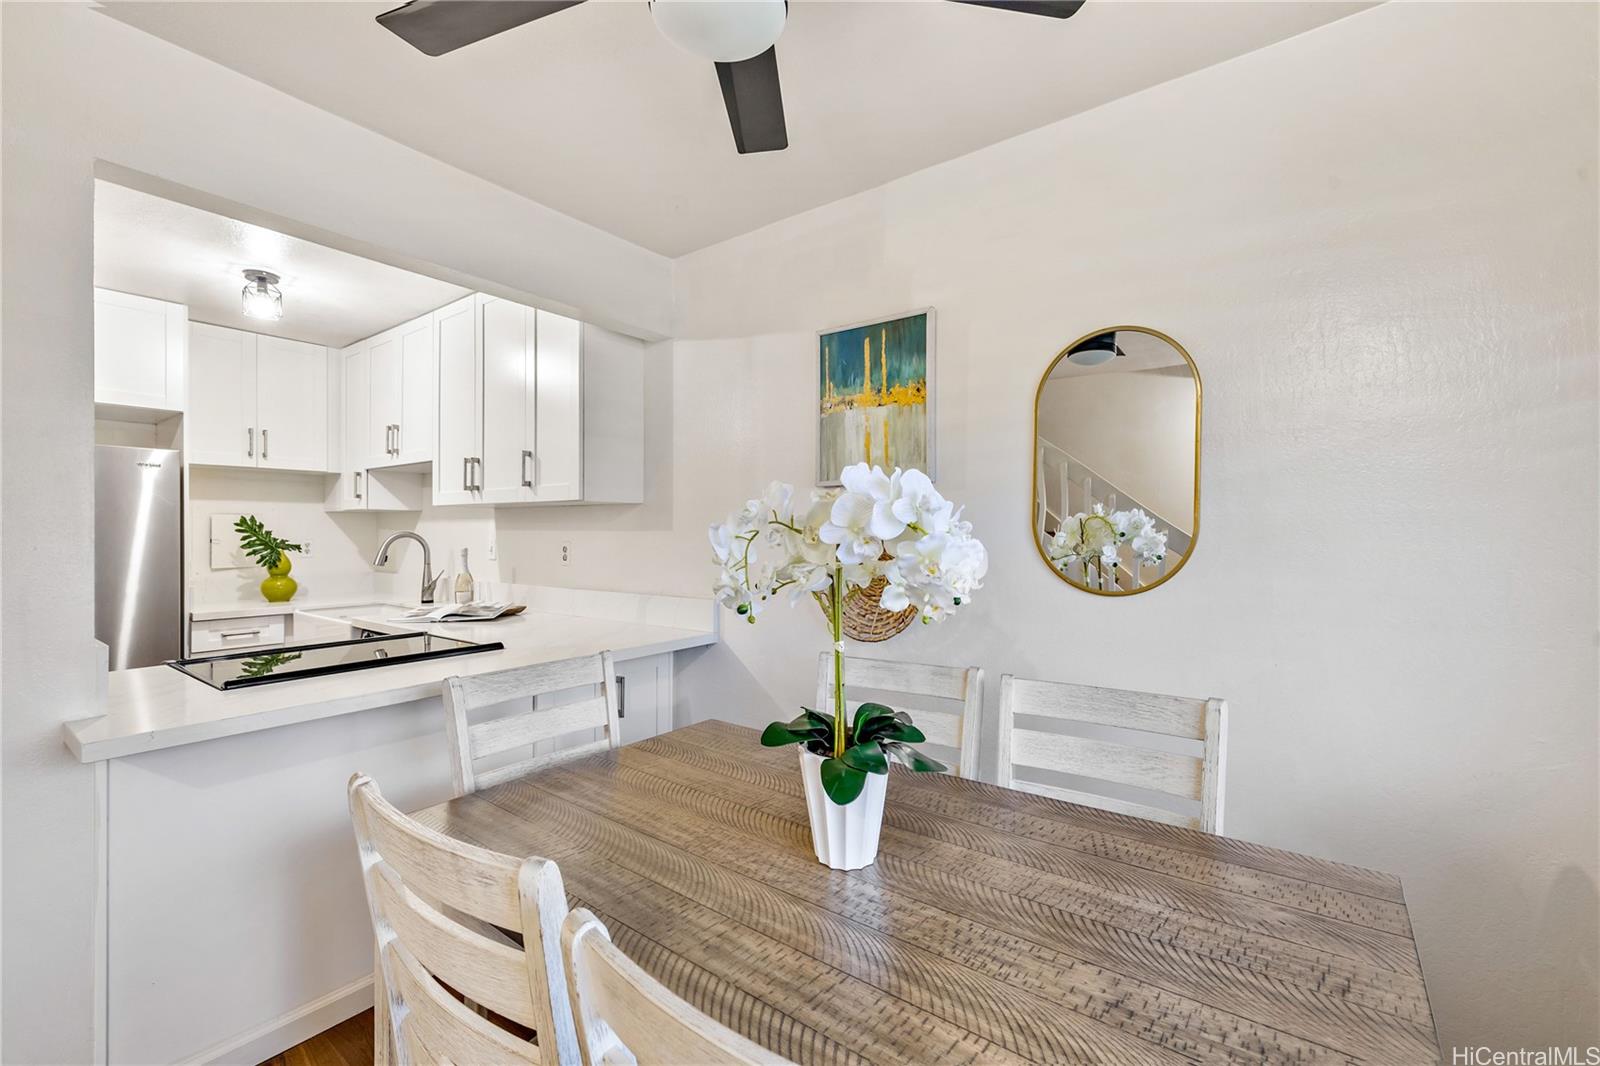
(832, 544)
(1095, 539)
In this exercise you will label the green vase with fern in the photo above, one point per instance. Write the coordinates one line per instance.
(271, 552)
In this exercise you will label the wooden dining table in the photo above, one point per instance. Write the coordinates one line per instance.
(996, 926)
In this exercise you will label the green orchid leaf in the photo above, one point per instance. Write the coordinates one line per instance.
(867, 756)
(819, 719)
(908, 756)
(892, 729)
(841, 781)
(867, 712)
(808, 725)
(778, 734)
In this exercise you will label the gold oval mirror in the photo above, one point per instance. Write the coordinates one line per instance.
(1116, 461)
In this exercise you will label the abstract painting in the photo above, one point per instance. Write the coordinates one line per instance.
(875, 395)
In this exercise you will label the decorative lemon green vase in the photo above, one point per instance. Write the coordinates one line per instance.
(278, 586)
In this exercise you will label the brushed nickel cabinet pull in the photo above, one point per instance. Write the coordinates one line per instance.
(250, 443)
(263, 444)
(466, 463)
(527, 478)
(240, 633)
(358, 484)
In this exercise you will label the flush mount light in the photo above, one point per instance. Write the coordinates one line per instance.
(718, 30)
(261, 296)
(1095, 351)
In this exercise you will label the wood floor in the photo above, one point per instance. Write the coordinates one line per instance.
(347, 1044)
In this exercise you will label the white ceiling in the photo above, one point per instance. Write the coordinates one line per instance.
(170, 251)
(594, 113)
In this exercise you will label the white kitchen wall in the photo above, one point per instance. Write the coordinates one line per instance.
(81, 91)
(1378, 241)
(338, 565)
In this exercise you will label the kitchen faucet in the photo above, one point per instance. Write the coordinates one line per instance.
(428, 578)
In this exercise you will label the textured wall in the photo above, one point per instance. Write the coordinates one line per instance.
(1378, 241)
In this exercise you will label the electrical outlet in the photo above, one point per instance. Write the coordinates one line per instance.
(566, 554)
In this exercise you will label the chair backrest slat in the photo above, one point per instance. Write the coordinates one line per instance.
(613, 1001)
(955, 729)
(438, 908)
(1131, 762)
(428, 1017)
(472, 741)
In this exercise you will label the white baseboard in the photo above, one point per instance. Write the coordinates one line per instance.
(285, 1031)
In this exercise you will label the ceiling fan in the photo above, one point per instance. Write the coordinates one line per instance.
(740, 37)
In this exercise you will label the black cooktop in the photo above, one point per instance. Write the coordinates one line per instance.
(263, 667)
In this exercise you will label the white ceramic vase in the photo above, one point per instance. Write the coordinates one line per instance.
(844, 837)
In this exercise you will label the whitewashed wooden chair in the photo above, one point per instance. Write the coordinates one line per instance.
(527, 728)
(437, 906)
(1197, 776)
(615, 1002)
(946, 727)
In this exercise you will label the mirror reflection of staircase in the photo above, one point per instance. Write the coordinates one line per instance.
(1065, 486)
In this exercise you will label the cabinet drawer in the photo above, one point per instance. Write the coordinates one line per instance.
(228, 634)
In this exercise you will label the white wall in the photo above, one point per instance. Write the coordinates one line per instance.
(79, 88)
(292, 506)
(1378, 242)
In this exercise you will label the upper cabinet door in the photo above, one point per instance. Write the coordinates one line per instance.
(139, 351)
(352, 490)
(556, 408)
(419, 377)
(459, 391)
(291, 404)
(383, 426)
(220, 426)
(507, 467)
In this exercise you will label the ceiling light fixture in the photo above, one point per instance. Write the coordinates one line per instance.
(261, 296)
(1095, 351)
(718, 30)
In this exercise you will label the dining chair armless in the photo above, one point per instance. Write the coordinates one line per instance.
(1192, 769)
(547, 701)
(614, 1002)
(436, 904)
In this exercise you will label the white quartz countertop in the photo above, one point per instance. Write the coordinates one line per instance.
(159, 707)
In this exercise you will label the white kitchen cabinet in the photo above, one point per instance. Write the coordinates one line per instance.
(403, 386)
(357, 485)
(220, 425)
(542, 409)
(460, 409)
(644, 697)
(140, 351)
(291, 404)
(256, 401)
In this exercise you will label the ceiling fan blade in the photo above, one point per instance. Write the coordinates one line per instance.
(439, 26)
(755, 103)
(1056, 9)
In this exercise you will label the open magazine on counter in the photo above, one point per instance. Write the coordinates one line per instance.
(462, 612)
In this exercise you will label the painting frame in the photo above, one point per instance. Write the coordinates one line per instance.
(826, 479)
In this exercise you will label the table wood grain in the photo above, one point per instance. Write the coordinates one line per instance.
(995, 926)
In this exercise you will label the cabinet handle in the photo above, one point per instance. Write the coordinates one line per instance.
(622, 697)
(477, 481)
(466, 464)
(358, 484)
(263, 444)
(397, 438)
(240, 633)
(250, 443)
(527, 478)
(388, 440)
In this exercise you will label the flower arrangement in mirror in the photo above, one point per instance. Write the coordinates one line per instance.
(1095, 539)
(831, 545)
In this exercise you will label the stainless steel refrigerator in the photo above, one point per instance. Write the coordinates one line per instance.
(138, 571)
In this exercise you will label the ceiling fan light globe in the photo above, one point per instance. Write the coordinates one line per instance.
(1091, 357)
(725, 31)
